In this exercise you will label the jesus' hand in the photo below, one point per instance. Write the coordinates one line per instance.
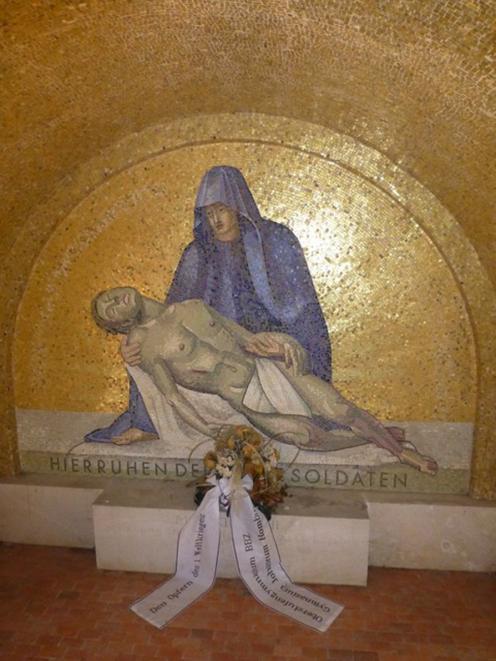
(281, 346)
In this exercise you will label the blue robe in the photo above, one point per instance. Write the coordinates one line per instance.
(260, 280)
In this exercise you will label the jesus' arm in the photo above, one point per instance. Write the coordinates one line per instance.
(267, 345)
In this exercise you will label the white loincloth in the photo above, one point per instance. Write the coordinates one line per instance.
(268, 392)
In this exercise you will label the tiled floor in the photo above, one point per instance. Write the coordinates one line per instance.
(54, 604)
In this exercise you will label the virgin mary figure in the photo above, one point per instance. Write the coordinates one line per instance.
(249, 269)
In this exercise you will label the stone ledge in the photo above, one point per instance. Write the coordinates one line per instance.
(445, 532)
(48, 511)
(134, 525)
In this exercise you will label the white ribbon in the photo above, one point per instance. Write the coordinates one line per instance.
(257, 557)
(260, 568)
(196, 565)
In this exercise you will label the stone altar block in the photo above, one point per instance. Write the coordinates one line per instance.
(322, 537)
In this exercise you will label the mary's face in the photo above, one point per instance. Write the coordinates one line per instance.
(224, 222)
(118, 305)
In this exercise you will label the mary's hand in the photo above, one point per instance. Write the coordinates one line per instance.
(279, 345)
(213, 429)
(265, 345)
(131, 353)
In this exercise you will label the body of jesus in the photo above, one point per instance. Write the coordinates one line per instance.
(191, 345)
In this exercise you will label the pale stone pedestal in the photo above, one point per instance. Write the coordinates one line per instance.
(322, 537)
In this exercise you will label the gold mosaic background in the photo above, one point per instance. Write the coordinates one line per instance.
(402, 340)
(82, 83)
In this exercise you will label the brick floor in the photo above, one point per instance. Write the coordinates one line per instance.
(54, 604)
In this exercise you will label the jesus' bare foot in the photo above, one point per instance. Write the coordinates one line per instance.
(398, 433)
(134, 435)
(419, 461)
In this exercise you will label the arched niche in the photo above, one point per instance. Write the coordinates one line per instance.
(399, 283)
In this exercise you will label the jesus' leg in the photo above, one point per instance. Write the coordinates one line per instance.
(301, 431)
(324, 400)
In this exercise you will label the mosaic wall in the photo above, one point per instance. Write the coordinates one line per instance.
(413, 80)
(402, 338)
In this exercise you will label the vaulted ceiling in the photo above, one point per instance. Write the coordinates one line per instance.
(413, 79)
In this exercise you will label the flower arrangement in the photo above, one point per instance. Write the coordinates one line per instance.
(243, 448)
